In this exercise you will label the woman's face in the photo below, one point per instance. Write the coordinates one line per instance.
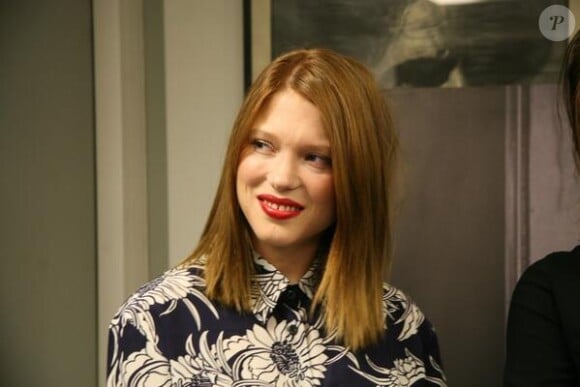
(284, 183)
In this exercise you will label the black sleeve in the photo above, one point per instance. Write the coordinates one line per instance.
(536, 351)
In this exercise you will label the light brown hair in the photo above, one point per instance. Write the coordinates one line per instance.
(357, 248)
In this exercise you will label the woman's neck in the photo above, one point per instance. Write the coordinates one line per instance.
(292, 261)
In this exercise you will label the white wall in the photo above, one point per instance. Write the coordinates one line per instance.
(204, 88)
(203, 79)
(121, 157)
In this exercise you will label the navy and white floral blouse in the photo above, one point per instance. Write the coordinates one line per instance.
(170, 334)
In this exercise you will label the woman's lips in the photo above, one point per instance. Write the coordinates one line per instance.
(279, 208)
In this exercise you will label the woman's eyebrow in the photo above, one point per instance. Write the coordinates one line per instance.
(262, 133)
(318, 147)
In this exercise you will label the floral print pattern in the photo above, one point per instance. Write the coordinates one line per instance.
(170, 334)
(274, 355)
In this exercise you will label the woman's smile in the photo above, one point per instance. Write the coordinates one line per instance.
(279, 208)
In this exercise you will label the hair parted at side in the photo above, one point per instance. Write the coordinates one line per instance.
(569, 78)
(364, 150)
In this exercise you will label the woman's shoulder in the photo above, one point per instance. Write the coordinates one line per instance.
(555, 266)
(402, 313)
(408, 330)
(172, 286)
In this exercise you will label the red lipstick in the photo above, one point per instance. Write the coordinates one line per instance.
(279, 208)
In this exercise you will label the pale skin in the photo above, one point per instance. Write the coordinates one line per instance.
(285, 184)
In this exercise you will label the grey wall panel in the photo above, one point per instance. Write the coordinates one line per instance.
(156, 136)
(450, 237)
(47, 195)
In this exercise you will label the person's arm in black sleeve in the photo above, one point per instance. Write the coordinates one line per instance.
(536, 352)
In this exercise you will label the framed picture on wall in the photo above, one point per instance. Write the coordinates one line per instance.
(412, 43)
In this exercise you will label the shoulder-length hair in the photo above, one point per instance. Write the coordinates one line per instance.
(569, 78)
(364, 151)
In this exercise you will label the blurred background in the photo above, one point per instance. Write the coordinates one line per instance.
(114, 117)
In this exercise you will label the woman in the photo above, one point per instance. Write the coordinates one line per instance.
(285, 286)
(543, 332)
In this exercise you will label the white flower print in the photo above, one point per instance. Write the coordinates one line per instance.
(266, 289)
(412, 317)
(272, 355)
(412, 320)
(174, 285)
(442, 381)
(391, 300)
(405, 372)
(268, 284)
(143, 369)
(208, 368)
(310, 279)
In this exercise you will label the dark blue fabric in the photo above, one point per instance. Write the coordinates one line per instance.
(170, 334)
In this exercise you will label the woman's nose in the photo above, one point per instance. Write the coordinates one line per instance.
(283, 174)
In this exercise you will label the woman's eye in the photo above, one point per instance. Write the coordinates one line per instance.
(319, 161)
(262, 146)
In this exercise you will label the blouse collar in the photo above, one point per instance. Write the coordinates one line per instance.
(268, 284)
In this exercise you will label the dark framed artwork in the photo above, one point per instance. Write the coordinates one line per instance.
(412, 43)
